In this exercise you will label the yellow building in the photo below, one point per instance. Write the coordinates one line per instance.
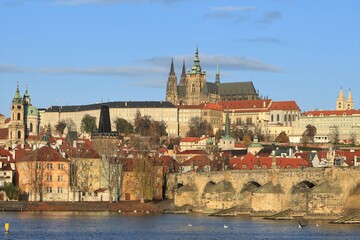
(43, 174)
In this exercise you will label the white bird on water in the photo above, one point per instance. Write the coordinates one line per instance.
(225, 226)
(190, 225)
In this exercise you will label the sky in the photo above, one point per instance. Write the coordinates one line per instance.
(70, 52)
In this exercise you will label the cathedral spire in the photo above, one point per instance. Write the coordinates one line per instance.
(217, 76)
(349, 96)
(172, 71)
(349, 102)
(196, 67)
(183, 75)
(341, 95)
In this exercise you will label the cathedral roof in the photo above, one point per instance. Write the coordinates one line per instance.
(211, 87)
(32, 111)
(235, 88)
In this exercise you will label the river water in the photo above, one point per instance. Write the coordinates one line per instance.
(95, 225)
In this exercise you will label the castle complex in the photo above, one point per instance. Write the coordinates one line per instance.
(193, 89)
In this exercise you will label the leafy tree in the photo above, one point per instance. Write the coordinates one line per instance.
(12, 191)
(142, 124)
(123, 126)
(60, 127)
(304, 138)
(353, 139)
(247, 140)
(88, 124)
(158, 128)
(219, 133)
(197, 128)
(282, 138)
(310, 132)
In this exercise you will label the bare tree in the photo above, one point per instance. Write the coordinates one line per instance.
(70, 124)
(111, 165)
(335, 135)
(353, 139)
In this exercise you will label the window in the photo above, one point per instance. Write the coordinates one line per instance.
(193, 88)
(19, 134)
(18, 116)
(285, 118)
(278, 117)
(60, 166)
(244, 166)
(60, 178)
(272, 117)
(49, 166)
(49, 189)
(49, 178)
(60, 190)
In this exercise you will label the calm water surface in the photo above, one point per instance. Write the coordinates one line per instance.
(75, 225)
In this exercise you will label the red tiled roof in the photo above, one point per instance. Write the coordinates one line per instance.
(6, 156)
(245, 104)
(7, 120)
(188, 107)
(43, 154)
(199, 161)
(190, 139)
(240, 145)
(211, 106)
(3, 133)
(331, 112)
(249, 161)
(198, 152)
(1, 115)
(284, 105)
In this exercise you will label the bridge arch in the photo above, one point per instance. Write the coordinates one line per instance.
(218, 195)
(353, 197)
(299, 195)
(244, 197)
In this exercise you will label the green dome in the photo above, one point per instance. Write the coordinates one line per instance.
(32, 111)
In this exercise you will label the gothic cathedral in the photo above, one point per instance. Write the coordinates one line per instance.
(193, 88)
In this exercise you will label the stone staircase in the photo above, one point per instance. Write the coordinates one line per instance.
(352, 216)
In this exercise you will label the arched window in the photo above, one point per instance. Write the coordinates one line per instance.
(18, 116)
(31, 127)
(19, 134)
(289, 117)
(272, 117)
(193, 88)
(285, 119)
(278, 117)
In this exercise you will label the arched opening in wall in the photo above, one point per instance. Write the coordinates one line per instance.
(31, 128)
(353, 198)
(18, 116)
(179, 185)
(245, 195)
(299, 194)
(19, 135)
(219, 196)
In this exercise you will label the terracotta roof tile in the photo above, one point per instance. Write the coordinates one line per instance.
(317, 113)
(245, 104)
(284, 105)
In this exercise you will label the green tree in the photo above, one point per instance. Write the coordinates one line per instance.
(12, 191)
(142, 124)
(88, 124)
(282, 138)
(60, 127)
(310, 132)
(123, 126)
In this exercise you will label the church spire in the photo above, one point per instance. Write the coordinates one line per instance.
(172, 71)
(349, 102)
(17, 98)
(183, 75)
(341, 95)
(340, 102)
(227, 124)
(217, 76)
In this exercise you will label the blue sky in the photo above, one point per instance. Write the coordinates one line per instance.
(84, 51)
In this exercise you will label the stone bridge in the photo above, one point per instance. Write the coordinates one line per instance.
(307, 190)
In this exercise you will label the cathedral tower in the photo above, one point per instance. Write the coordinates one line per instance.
(31, 116)
(195, 81)
(171, 88)
(217, 76)
(16, 132)
(183, 75)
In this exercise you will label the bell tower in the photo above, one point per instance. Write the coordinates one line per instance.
(16, 132)
(349, 102)
(340, 102)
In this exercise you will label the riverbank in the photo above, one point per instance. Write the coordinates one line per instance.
(125, 206)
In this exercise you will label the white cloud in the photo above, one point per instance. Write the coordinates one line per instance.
(4, 68)
(235, 12)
